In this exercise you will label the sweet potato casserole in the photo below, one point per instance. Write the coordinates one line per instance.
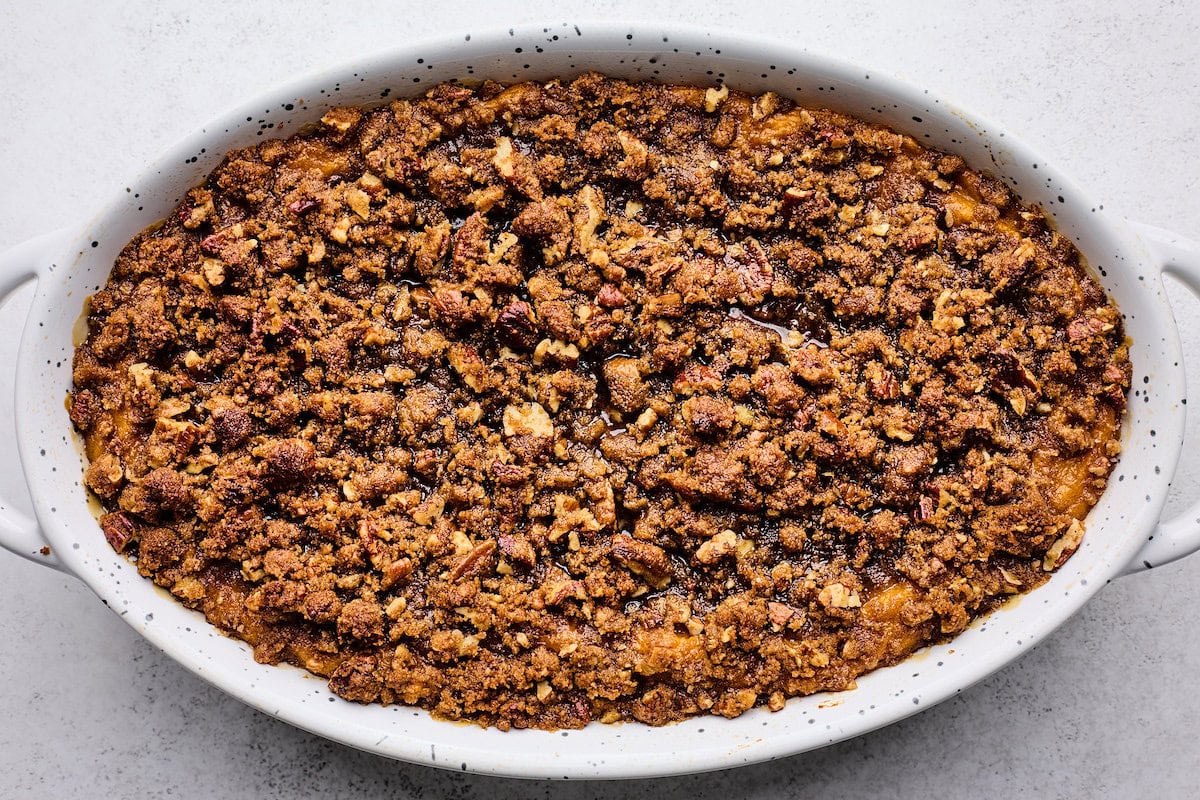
(590, 400)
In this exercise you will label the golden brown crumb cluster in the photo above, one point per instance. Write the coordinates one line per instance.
(593, 400)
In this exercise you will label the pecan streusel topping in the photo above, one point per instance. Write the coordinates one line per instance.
(592, 400)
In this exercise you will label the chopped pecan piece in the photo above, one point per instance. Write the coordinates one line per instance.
(451, 307)
(105, 475)
(610, 296)
(559, 592)
(780, 613)
(836, 595)
(475, 562)
(211, 245)
(527, 419)
(749, 261)
(1085, 327)
(517, 549)
(515, 327)
(830, 425)
(303, 205)
(723, 544)
(197, 210)
(341, 120)
(885, 387)
(925, 509)
(395, 572)
(85, 408)
(794, 196)
(648, 561)
(1012, 371)
(118, 530)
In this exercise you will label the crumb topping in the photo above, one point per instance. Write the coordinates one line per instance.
(594, 400)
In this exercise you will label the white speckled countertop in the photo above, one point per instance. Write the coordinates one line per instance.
(1106, 707)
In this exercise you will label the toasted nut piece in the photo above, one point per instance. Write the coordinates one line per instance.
(527, 419)
(429, 510)
(503, 160)
(395, 572)
(450, 306)
(104, 475)
(515, 327)
(558, 593)
(340, 231)
(885, 387)
(830, 425)
(835, 595)
(341, 120)
(1063, 547)
(714, 98)
(645, 560)
(118, 530)
(794, 196)
(555, 350)
(610, 296)
(303, 205)
(214, 271)
(925, 509)
(1084, 327)
(723, 544)
(359, 202)
(780, 613)
(317, 252)
(370, 184)
(517, 549)
(476, 562)
(764, 105)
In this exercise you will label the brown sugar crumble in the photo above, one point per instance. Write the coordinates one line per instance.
(594, 400)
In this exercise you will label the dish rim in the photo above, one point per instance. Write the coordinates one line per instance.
(356, 732)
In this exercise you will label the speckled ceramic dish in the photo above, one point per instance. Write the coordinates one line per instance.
(1124, 531)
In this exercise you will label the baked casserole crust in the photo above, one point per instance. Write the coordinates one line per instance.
(595, 400)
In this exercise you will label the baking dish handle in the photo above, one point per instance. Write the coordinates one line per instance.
(19, 532)
(1174, 538)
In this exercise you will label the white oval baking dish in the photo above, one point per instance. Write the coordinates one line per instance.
(1124, 531)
